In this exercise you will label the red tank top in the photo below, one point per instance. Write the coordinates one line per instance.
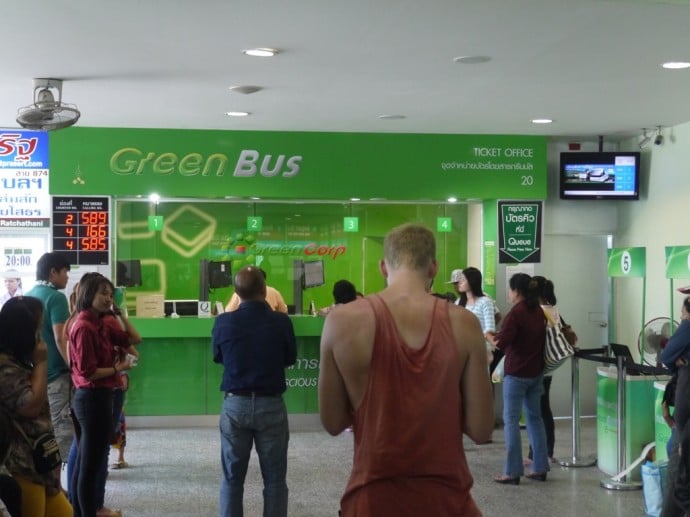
(408, 454)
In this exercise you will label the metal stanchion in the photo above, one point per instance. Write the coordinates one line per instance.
(576, 460)
(622, 483)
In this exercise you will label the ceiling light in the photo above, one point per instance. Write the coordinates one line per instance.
(154, 198)
(542, 121)
(354, 199)
(237, 113)
(246, 89)
(472, 60)
(676, 65)
(254, 198)
(391, 117)
(644, 141)
(452, 199)
(260, 52)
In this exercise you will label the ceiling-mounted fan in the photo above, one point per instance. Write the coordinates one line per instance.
(48, 112)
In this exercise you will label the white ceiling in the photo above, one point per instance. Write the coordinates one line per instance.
(591, 65)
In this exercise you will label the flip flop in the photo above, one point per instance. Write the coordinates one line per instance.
(119, 465)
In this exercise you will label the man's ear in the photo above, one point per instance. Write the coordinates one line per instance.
(433, 269)
(383, 268)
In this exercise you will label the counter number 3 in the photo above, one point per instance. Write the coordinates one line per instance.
(350, 224)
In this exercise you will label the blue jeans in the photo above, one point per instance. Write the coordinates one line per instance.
(263, 421)
(519, 392)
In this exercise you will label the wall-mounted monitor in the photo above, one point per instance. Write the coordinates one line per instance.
(604, 175)
(219, 274)
(313, 274)
(128, 273)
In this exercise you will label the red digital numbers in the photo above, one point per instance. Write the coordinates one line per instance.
(89, 218)
(93, 244)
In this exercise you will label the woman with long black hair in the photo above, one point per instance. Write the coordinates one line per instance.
(97, 358)
(522, 338)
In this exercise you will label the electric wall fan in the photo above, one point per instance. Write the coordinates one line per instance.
(47, 112)
(652, 339)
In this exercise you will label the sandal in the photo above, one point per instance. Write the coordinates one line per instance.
(119, 465)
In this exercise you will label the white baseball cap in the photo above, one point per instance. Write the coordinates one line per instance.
(455, 276)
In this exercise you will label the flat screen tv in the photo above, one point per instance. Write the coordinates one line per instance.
(219, 274)
(128, 273)
(313, 274)
(605, 175)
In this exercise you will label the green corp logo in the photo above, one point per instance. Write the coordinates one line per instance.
(131, 160)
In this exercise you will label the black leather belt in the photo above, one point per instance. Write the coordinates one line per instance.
(252, 394)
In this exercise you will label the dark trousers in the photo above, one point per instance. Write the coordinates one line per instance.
(93, 409)
(547, 417)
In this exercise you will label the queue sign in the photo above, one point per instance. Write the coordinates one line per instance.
(81, 229)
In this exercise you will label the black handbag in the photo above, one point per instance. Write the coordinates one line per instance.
(44, 449)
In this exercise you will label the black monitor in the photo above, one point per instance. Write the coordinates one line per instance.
(181, 307)
(313, 274)
(128, 273)
(219, 274)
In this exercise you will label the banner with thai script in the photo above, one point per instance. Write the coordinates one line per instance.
(24, 192)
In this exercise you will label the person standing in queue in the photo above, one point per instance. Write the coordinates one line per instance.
(273, 298)
(51, 276)
(522, 338)
(404, 355)
(96, 362)
(254, 344)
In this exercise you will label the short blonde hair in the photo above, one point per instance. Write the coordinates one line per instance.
(409, 245)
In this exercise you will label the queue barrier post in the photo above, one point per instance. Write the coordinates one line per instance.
(575, 460)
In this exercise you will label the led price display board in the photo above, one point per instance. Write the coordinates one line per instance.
(81, 229)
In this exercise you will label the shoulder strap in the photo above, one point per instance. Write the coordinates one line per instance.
(548, 317)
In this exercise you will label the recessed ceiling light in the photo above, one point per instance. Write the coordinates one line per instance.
(676, 65)
(254, 198)
(471, 60)
(541, 121)
(391, 117)
(354, 199)
(246, 89)
(452, 199)
(237, 113)
(260, 52)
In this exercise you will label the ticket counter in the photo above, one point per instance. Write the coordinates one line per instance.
(176, 374)
(640, 399)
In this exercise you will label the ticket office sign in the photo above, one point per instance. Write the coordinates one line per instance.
(81, 229)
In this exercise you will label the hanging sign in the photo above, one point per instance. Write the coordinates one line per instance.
(519, 231)
(81, 229)
(627, 262)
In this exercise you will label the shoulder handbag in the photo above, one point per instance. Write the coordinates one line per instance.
(568, 332)
(45, 451)
(557, 348)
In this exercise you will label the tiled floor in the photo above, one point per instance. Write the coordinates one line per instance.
(176, 471)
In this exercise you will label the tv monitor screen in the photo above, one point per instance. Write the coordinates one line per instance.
(181, 307)
(219, 274)
(128, 273)
(605, 175)
(313, 273)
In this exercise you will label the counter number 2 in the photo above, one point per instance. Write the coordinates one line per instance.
(254, 224)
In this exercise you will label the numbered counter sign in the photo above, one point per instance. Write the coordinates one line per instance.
(628, 262)
(156, 223)
(444, 224)
(351, 224)
(254, 224)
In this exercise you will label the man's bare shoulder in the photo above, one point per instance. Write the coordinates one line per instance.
(466, 326)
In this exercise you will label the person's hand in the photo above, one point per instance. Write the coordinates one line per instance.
(681, 361)
(40, 354)
(491, 338)
(121, 365)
